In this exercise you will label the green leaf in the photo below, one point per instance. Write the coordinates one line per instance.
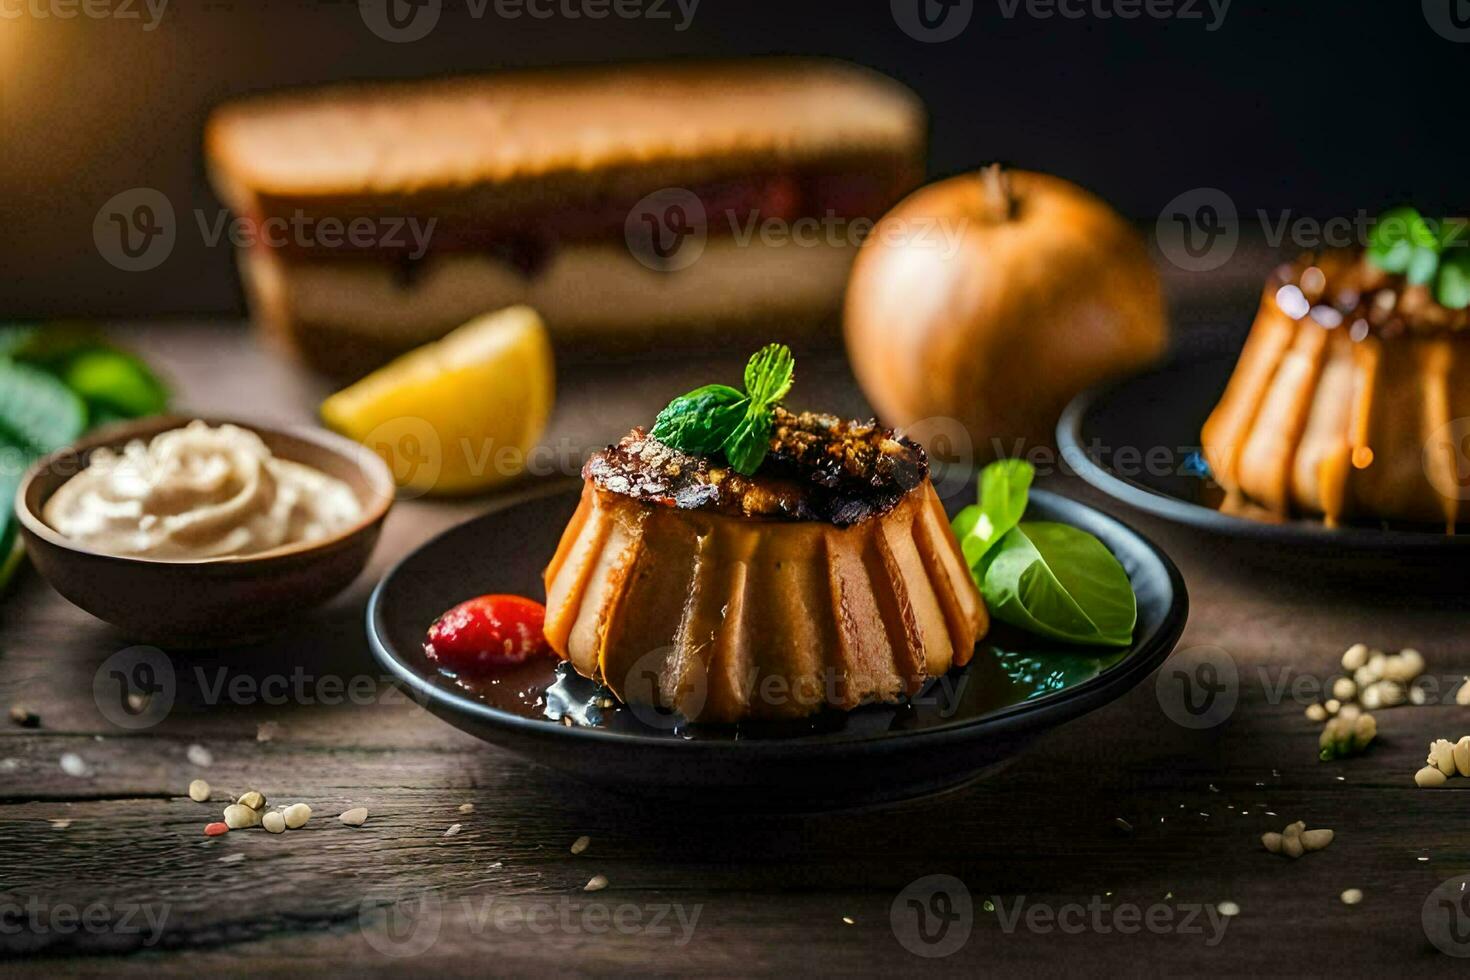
(749, 443)
(115, 384)
(37, 411)
(1004, 486)
(1060, 582)
(702, 420)
(769, 375)
(1397, 237)
(1453, 288)
(1422, 266)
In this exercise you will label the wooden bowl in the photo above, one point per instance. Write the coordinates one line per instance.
(212, 601)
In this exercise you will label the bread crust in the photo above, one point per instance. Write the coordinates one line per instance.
(563, 133)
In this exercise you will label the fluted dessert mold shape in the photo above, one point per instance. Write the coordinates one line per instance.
(722, 618)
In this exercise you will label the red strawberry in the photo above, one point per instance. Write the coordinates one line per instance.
(488, 633)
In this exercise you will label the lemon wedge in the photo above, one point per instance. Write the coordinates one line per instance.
(459, 415)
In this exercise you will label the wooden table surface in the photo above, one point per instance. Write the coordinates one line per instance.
(109, 871)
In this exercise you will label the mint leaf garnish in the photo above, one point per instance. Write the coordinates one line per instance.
(718, 418)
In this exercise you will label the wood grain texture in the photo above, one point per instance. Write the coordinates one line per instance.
(766, 894)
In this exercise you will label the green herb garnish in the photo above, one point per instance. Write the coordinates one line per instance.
(719, 418)
(54, 385)
(1404, 243)
(1046, 578)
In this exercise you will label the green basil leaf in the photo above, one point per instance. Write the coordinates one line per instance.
(1060, 582)
(1396, 238)
(115, 384)
(1394, 258)
(748, 444)
(1422, 266)
(1453, 288)
(37, 411)
(702, 420)
(769, 375)
(1004, 486)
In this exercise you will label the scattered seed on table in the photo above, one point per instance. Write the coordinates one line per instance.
(580, 844)
(596, 884)
(1352, 896)
(1123, 825)
(252, 799)
(466, 808)
(60, 824)
(1462, 696)
(138, 702)
(24, 717)
(73, 765)
(453, 829)
(274, 822)
(199, 791)
(200, 756)
(234, 858)
(297, 814)
(215, 829)
(1228, 909)
(266, 731)
(847, 919)
(1272, 842)
(1429, 777)
(355, 817)
(1355, 656)
(1315, 840)
(1316, 712)
(238, 816)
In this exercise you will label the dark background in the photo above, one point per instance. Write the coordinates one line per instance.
(1311, 108)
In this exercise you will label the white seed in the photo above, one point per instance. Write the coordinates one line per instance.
(274, 822)
(1442, 756)
(1291, 846)
(200, 756)
(73, 765)
(234, 858)
(240, 817)
(453, 829)
(1462, 756)
(1365, 729)
(1411, 662)
(1272, 840)
(1349, 712)
(1315, 840)
(1462, 696)
(1429, 777)
(596, 884)
(1377, 661)
(1372, 697)
(466, 808)
(297, 814)
(581, 844)
(267, 730)
(1333, 706)
(1228, 909)
(1344, 689)
(355, 817)
(1352, 896)
(1355, 656)
(199, 791)
(1315, 712)
(1417, 695)
(252, 799)
(1294, 828)
(60, 824)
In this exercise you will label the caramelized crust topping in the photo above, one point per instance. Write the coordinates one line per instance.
(819, 468)
(1344, 289)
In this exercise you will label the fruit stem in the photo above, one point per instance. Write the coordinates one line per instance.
(1002, 203)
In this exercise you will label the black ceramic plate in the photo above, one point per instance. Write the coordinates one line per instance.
(1107, 435)
(961, 726)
